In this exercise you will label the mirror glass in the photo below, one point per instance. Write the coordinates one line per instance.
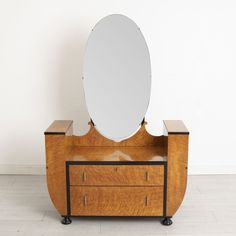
(117, 77)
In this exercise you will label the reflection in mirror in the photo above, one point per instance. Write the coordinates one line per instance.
(117, 77)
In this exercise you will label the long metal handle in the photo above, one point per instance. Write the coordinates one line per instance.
(146, 200)
(147, 176)
(84, 177)
(85, 200)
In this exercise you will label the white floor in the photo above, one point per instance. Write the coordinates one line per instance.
(209, 208)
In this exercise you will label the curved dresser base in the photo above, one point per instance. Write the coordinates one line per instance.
(146, 174)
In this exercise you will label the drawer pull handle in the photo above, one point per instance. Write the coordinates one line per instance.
(147, 176)
(85, 200)
(84, 177)
(146, 200)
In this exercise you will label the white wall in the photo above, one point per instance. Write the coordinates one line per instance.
(193, 54)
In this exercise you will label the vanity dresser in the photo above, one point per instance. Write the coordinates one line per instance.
(117, 168)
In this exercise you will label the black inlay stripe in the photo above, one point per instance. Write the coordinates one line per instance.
(68, 163)
(165, 190)
(68, 188)
(116, 162)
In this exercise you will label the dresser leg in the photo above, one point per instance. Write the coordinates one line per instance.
(66, 220)
(167, 221)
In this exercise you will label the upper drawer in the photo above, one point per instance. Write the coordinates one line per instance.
(117, 175)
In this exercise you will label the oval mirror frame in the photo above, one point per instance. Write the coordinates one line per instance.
(117, 77)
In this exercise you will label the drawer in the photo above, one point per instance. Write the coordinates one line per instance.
(116, 201)
(117, 175)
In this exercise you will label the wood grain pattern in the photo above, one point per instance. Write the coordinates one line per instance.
(117, 175)
(62, 146)
(60, 127)
(105, 153)
(55, 170)
(57, 147)
(177, 159)
(117, 201)
(175, 127)
(142, 138)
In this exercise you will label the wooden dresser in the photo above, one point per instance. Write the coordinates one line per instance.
(90, 175)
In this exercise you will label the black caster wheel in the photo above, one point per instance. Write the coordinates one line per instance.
(167, 221)
(66, 220)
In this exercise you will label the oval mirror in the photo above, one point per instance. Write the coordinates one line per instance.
(117, 77)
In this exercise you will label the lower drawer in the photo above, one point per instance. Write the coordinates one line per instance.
(113, 175)
(116, 201)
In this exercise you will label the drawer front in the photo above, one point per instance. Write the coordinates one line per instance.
(116, 201)
(117, 175)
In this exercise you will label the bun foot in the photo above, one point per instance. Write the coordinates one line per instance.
(167, 221)
(66, 220)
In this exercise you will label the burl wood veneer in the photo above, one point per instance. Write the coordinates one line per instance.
(91, 175)
(116, 201)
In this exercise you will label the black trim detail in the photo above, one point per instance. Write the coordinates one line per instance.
(158, 217)
(175, 132)
(68, 163)
(143, 121)
(187, 133)
(59, 132)
(68, 188)
(116, 163)
(92, 122)
(55, 133)
(165, 189)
